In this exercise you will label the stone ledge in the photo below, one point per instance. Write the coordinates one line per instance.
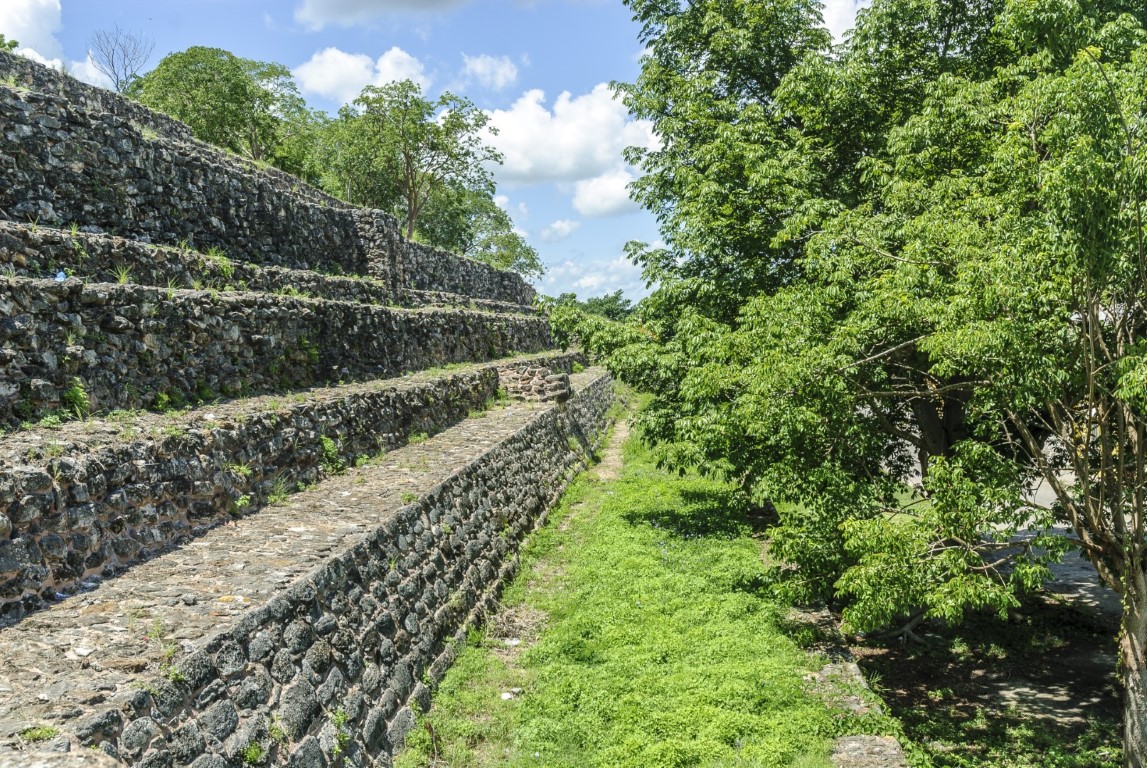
(128, 345)
(66, 164)
(81, 503)
(25, 73)
(87, 758)
(43, 252)
(307, 629)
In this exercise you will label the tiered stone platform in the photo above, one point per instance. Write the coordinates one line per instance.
(262, 459)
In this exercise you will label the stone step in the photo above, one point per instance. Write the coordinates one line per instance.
(61, 163)
(69, 346)
(302, 635)
(41, 252)
(81, 502)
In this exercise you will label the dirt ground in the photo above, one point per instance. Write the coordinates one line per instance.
(1039, 678)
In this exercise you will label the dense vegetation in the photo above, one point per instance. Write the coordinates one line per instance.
(423, 161)
(635, 636)
(903, 284)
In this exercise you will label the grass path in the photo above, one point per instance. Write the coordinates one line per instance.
(636, 635)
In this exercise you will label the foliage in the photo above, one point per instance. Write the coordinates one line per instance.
(470, 223)
(249, 107)
(657, 649)
(394, 149)
(8, 45)
(916, 260)
(612, 306)
(859, 344)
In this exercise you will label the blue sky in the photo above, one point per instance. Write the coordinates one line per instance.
(541, 68)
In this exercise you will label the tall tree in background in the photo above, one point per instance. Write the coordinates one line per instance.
(470, 223)
(239, 104)
(120, 55)
(914, 260)
(421, 147)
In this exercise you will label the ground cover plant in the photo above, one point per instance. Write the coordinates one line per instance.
(636, 635)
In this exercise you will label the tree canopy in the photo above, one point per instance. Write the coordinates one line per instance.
(236, 103)
(903, 285)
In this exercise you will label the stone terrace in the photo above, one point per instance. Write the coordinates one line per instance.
(262, 460)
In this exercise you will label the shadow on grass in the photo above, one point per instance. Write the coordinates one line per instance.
(1034, 689)
(704, 513)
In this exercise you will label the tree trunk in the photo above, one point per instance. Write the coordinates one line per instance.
(1133, 671)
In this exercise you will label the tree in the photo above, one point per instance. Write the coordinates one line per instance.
(470, 223)
(8, 45)
(903, 282)
(612, 306)
(120, 55)
(249, 107)
(420, 147)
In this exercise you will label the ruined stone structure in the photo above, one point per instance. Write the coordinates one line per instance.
(262, 460)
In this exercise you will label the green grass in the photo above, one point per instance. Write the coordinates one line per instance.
(658, 648)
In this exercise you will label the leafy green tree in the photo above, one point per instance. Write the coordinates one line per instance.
(903, 285)
(8, 45)
(613, 306)
(249, 107)
(469, 223)
(417, 147)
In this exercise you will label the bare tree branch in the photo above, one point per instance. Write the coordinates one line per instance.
(120, 55)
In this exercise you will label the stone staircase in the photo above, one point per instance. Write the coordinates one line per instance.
(262, 460)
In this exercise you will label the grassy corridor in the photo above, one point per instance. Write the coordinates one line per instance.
(644, 643)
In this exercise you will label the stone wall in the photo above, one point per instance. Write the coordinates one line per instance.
(430, 269)
(129, 347)
(62, 164)
(102, 495)
(536, 381)
(21, 73)
(44, 252)
(328, 671)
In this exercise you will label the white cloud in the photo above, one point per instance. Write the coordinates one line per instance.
(605, 195)
(316, 14)
(34, 24)
(840, 15)
(559, 230)
(587, 277)
(339, 76)
(493, 73)
(581, 137)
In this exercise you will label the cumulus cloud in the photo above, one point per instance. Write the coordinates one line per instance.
(559, 230)
(316, 14)
(580, 138)
(840, 15)
(604, 195)
(340, 76)
(587, 277)
(34, 23)
(493, 73)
